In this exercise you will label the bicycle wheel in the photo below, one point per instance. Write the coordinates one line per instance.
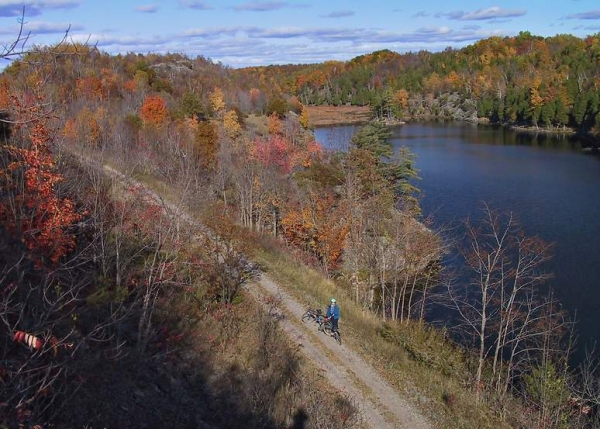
(337, 337)
(307, 316)
(327, 328)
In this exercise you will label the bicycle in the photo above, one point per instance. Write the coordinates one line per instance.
(314, 315)
(326, 328)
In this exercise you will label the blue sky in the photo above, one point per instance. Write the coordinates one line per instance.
(260, 32)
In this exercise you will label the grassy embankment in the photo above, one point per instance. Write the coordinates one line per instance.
(418, 360)
(219, 366)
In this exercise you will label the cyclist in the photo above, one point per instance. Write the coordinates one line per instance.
(333, 314)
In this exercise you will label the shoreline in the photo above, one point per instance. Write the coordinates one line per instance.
(334, 116)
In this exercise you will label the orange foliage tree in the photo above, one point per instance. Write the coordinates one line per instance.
(31, 209)
(154, 111)
(84, 129)
(4, 94)
(306, 153)
(274, 124)
(130, 86)
(206, 144)
(320, 226)
(91, 88)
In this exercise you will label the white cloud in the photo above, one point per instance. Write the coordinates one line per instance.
(420, 14)
(339, 14)
(211, 33)
(41, 27)
(195, 4)
(490, 13)
(261, 6)
(150, 8)
(592, 14)
(33, 7)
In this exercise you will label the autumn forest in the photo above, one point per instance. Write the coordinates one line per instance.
(142, 195)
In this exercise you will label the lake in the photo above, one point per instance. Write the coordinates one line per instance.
(546, 180)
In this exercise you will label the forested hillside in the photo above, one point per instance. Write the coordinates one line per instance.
(115, 312)
(526, 80)
(103, 285)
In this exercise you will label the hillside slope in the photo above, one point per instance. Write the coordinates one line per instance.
(381, 405)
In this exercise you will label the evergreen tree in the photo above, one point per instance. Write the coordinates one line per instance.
(397, 171)
(374, 138)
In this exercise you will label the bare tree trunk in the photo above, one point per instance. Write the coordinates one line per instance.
(424, 298)
(410, 299)
(394, 303)
(402, 296)
(382, 280)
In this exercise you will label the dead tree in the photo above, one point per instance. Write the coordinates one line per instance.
(501, 307)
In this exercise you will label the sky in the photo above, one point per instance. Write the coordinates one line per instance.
(240, 33)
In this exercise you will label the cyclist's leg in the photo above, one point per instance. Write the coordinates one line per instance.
(334, 324)
(320, 323)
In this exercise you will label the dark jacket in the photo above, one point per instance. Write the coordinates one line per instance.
(335, 312)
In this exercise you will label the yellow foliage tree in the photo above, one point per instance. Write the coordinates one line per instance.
(304, 120)
(141, 80)
(535, 100)
(217, 100)
(231, 124)
(401, 99)
(454, 80)
(432, 83)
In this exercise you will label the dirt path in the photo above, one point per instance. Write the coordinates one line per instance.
(381, 405)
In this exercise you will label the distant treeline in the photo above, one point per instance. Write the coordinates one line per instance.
(525, 80)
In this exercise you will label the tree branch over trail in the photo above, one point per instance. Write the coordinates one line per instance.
(18, 47)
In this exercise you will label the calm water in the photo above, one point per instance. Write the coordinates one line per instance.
(546, 181)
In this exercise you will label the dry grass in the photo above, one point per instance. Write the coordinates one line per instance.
(209, 365)
(320, 116)
(418, 360)
(415, 359)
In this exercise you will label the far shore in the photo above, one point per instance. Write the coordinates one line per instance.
(326, 116)
(330, 116)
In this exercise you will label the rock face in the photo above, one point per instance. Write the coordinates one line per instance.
(446, 106)
(180, 66)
